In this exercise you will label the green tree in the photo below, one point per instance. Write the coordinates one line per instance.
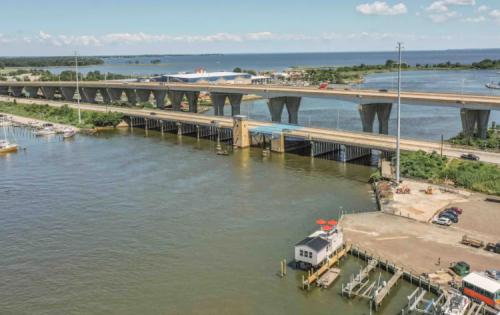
(2, 65)
(252, 72)
(389, 63)
(237, 70)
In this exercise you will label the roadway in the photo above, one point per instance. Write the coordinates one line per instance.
(357, 139)
(358, 96)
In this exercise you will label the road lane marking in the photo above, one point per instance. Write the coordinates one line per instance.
(391, 238)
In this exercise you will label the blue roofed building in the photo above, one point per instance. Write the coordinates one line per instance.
(211, 77)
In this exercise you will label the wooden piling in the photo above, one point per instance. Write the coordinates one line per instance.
(284, 266)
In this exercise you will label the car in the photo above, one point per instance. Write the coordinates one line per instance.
(460, 211)
(152, 114)
(453, 218)
(383, 90)
(48, 125)
(469, 157)
(442, 221)
(493, 274)
(125, 82)
(453, 212)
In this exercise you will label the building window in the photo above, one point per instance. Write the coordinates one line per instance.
(301, 253)
(305, 253)
(310, 255)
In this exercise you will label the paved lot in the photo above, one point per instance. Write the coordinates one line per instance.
(415, 244)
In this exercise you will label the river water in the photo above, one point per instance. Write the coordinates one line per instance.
(135, 222)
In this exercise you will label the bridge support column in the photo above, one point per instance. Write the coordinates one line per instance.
(275, 106)
(68, 93)
(144, 95)
(106, 98)
(383, 113)
(90, 93)
(176, 99)
(483, 117)
(278, 142)
(160, 98)
(218, 102)
(469, 118)
(4, 90)
(32, 90)
(241, 136)
(131, 96)
(48, 92)
(367, 114)
(235, 101)
(192, 97)
(82, 95)
(16, 90)
(115, 94)
(292, 106)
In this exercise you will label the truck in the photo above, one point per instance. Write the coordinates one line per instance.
(494, 248)
(472, 242)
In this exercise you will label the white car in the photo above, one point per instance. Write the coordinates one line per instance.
(442, 221)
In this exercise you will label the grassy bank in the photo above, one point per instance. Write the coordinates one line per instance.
(475, 176)
(62, 115)
(492, 140)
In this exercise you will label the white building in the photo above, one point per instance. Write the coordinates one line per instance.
(318, 246)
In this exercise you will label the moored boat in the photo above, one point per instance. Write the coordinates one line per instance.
(459, 304)
(69, 132)
(45, 132)
(7, 146)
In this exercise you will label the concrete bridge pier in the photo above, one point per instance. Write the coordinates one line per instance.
(469, 118)
(131, 96)
(106, 98)
(218, 102)
(176, 99)
(115, 94)
(383, 113)
(160, 98)
(292, 107)
(144, 95)
(275, 106)
(90, 93)
(16, 90)
(32, 90)
(367, 114)
(67, 93)
(235, 101)
(192, 97)
(4, 90)
(83, 95)
(48, 92)
(483, 118)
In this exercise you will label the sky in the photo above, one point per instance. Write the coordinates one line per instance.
(110, 27)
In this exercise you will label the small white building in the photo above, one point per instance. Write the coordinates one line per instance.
(317, 247)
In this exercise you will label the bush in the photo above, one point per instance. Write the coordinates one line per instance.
(420, 164)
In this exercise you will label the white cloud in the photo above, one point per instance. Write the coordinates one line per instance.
(381, 8)
(441, 18)
(417, 14)
(476, 20)
(364, 35)
(460, 2)
(496, 16)
(483, 8)
(438, 6)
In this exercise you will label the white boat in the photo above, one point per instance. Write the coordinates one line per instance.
(69, 132)
(45, 132)
(459, 304)
(5, 123)
(5, 144)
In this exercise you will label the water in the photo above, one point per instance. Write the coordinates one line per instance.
(140, 223)
(279, 62)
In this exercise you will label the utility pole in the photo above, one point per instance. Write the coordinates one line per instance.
(399, 114)
(77, 87)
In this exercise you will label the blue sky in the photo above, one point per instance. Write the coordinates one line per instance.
(57, 27)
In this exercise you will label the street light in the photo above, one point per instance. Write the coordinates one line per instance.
(77, 88)
(399, 114)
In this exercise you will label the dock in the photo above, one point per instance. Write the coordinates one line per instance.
(358, 281)
(328, 278)
(335, 259)
(385, 290)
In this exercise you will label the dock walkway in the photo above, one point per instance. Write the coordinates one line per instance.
(327, 266)
(385, 290)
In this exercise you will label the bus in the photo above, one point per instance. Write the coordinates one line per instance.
(480, 287)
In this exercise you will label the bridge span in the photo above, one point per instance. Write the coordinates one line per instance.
(346, 145)
(474, 109)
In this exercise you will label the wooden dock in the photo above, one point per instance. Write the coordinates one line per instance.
(328, 278)
(335, 258)
(359, 280)
(385, 290)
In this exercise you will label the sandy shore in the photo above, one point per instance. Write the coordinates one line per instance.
(25, 121)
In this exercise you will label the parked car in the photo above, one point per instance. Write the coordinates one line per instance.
(452, 212)
(152, 114)
(383, 90)
(453, 218)
(48, 125)
(493, 273)
(469, 157)
(442, 221)
(456, 209)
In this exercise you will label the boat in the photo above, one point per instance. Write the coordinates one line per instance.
(5, 123)
(6, 145)
(459, 304)
(69, 132)
(492, 86)
(45, 132)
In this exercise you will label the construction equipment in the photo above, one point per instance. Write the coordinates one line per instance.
(472, 242)
(404, 189)
(430, 190)
(492, 247)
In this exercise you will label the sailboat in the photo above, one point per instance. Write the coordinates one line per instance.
(5, 144)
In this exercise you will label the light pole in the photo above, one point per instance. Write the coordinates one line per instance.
(399, 114)
(77, 88)
(463, 84)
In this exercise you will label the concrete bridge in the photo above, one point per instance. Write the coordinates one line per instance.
(474, 109)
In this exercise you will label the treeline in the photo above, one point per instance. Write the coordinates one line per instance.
(42, 62)
(238, 70)
(67, 75)
(63, 115)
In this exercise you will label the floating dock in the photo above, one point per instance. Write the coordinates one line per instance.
(328, 278)
(335, 259)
